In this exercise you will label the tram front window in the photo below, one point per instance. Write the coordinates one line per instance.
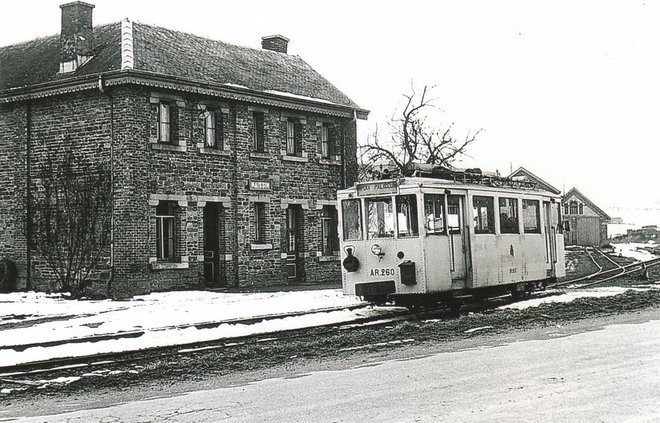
(380, 218)
(406, 210)
(352, 220)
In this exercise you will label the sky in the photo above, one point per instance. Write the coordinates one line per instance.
(567, 89)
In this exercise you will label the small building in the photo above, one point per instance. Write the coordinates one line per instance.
(225, 160)
(588, 222)
(522, 174)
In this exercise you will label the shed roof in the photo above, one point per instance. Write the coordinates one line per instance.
(574, 192)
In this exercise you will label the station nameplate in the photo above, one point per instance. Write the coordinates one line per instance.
(259, 185)
(374, 188)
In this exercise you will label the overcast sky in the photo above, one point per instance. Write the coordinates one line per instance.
(568, 89)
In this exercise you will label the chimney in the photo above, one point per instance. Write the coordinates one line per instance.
(276, 43)
(76, 39)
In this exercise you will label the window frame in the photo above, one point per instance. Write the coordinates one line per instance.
(442, 218)
(259, 132)
(510, 229)
(165, 120)
(210, 129)
(393, 224)
(259, 222)
(163, 218)
(412, 218)
(490, 214)
(329, 235)
(537, 204)
(345, 230)
(293, 137)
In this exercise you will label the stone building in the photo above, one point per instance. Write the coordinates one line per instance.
(588, 222)
(224, 159)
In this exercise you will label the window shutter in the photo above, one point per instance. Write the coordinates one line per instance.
(297, 133)
(220, 131)
(174, 123)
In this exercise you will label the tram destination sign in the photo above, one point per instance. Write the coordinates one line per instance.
(375, 188)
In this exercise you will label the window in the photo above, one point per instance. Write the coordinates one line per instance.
(483, 215)
(509, 216)
(453, 215)
(351, 220)
(566, 209)
(406, 211)
(531, 217)
(380, 218)
(258, 131)
(434, 205)
(293, 138)
(327, 142)
(329, 238)
(164, 123)
(581, 208)
(573, 208)
(213, 130)
(165, 230)
(260, 222)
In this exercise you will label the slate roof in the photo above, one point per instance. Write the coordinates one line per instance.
(171, 53)
(573, 192)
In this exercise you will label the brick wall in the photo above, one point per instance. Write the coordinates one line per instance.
(187, 173)
(13, 165)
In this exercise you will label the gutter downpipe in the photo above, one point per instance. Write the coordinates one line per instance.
(111, 278)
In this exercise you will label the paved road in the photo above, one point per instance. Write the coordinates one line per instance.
(612, 374)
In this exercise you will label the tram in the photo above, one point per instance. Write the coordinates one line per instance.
(431, 238)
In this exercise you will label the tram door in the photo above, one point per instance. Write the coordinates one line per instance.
(293, 242)
(551, 222)
(457, 243)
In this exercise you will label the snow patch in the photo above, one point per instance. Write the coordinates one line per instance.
(297, 96)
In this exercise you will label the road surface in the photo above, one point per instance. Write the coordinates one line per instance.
(569, 374)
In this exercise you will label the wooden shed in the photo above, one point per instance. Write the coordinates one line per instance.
(588, 222)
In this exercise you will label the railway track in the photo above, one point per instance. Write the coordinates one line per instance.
(608, 269)
(614, 271)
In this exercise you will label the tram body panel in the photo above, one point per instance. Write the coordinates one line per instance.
(423, 236)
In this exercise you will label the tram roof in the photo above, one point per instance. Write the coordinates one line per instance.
(471, 182)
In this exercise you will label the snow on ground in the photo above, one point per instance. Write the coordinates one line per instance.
(634, 250)
(570, 296)
(166, 319)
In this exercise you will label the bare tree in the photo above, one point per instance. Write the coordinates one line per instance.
(413, 138)
(71, 219)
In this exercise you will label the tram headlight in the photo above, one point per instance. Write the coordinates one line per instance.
(377, 250)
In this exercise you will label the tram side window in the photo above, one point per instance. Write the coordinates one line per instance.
(434, 214)
(483, 215)
(352, 220)
(380, 218)
(509, 216)
(453, 215)
(531, 217)
(406, 211)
